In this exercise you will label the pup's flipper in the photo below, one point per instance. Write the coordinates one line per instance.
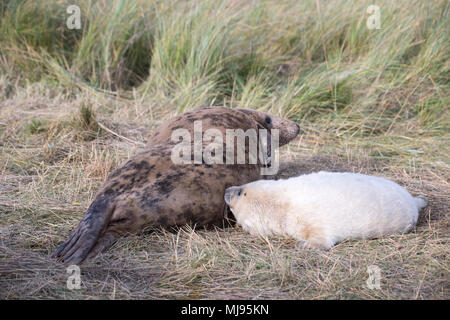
(421, 202)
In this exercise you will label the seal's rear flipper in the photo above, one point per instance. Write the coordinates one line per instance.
(421, 202)
(84, 238)
(103, 243)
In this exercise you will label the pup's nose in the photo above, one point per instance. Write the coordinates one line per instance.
(230, 193)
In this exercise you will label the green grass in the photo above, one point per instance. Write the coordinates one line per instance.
(182, 55)
(74, 104)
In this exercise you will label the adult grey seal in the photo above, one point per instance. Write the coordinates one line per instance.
(150, 190)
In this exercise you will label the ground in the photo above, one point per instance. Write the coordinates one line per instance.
(45, 190)
(76, 103)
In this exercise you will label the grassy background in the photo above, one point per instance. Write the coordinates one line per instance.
(74, 104)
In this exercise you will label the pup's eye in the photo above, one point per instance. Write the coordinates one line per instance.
(268, 120)
(245, 194)
(239, 192)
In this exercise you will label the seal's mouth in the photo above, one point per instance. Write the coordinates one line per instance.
(228, 215)
(227, 197)
(290, 132)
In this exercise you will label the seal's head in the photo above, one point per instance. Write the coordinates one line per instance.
(233, 195)
(288, 129)
(250, 197)
(222, 118)
(237, 199)
(256, 207)
(244, 198)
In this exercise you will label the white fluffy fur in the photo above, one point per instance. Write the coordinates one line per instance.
(325, 208)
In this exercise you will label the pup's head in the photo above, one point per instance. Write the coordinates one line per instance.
(239, 199)
(259, 207)
(233, 197)
(288, 129)
(250, 199)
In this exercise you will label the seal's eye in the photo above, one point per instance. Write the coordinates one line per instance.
(239, 192)
(245, 194)
(268, 120)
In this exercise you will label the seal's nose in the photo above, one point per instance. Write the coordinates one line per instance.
(227, 197)
(230, 193)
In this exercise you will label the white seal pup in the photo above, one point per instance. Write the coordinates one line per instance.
(324, 208)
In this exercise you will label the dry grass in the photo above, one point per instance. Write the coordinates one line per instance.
(49, 177)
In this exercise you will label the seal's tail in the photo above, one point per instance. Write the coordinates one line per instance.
(85, 236)
(421, 202)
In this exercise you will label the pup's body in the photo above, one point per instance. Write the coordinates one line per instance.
(325, 208)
